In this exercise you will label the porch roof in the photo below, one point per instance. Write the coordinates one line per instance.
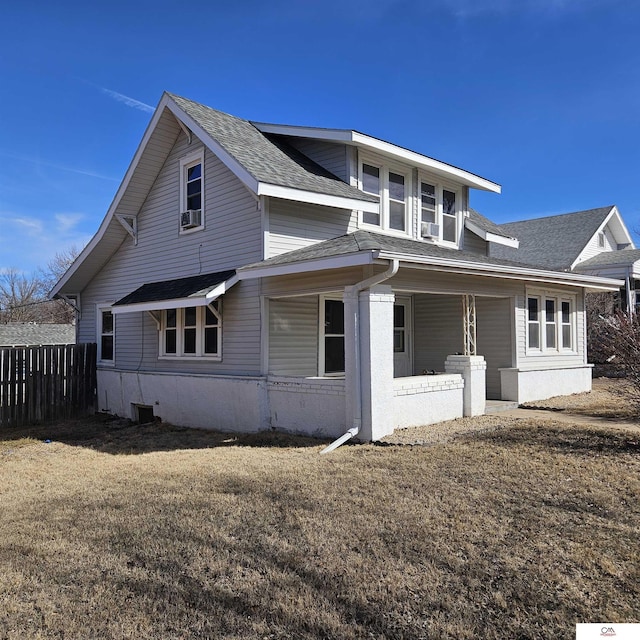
(364, 247)
(191, 291)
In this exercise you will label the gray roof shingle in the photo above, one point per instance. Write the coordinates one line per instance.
(624, 257)
(267, 158)
(189, 287)
(27, 334)
(367, 241)
(553, 242)
(486, 224)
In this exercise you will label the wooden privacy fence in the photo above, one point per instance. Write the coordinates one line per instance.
(41, 384)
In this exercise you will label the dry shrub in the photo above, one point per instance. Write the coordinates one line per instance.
(617, 339)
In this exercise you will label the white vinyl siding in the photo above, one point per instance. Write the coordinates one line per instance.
(293, 336)
(494, 331)
(437, 328)
(329, 155)
(294, 225)
(593, 248)
(474, 244)
(232, 238)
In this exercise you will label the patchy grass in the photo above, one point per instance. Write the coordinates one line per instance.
(609, 399)
(113, 531)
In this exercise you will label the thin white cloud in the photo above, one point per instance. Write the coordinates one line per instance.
(59, 167)
(130, 102)
(30, 243)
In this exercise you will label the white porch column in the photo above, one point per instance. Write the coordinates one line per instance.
(369, 360)
(473, 370)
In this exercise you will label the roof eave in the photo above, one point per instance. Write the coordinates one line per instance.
(312, 197)
(487, 236)
(84, 254)
(346, 136)
(354, 259)
(505, 271)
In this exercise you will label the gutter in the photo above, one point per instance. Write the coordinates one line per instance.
(394, 265)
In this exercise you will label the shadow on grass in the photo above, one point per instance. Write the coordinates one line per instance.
(568, 439)
(620, 415)
(116, 436)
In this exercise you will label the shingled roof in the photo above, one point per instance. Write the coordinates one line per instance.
(368, 241)
(189, 287)
(266, 157)
(610, 258)
(553, 242)
(27, 334)
(487, 225)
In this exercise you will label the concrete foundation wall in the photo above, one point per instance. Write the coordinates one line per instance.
(225, 403)
(523, 385)
(424, 400)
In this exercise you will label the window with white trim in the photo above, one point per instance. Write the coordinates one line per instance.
(191, 332)
(440, 206)
(550, 323)
(192, 192)
(331, 360)
(392, 186)
(106, 336)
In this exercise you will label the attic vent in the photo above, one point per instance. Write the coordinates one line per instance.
(430, 230)
(190, 218)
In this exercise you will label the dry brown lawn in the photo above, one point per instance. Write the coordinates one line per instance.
(115, 531)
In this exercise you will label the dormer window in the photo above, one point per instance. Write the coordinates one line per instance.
(601, 240)
(449, 216)
(439, 212)
(192, 192)
(392, 186)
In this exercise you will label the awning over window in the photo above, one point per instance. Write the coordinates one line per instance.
(194, 291)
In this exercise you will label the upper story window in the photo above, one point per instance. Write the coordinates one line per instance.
(392, 186)
(192, 192)
(440, 211)
(601, 243)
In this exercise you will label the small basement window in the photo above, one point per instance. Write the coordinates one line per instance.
(143, 413)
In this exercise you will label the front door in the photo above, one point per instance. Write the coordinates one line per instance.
(402, 365)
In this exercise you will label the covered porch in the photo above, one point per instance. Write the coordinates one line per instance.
(381, 359)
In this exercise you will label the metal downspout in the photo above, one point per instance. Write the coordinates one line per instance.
(394, 265)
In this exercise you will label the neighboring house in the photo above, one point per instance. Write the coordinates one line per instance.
(251, 276)
(31, 334)
(594, 242)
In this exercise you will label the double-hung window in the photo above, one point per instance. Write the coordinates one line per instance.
(331, 337)
(106, 336)
(192, 332)
(440, 211)
(550, 322)
(392, 186)
(192, 192)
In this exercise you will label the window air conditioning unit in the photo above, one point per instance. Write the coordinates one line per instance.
(430, 230)
(190, 218)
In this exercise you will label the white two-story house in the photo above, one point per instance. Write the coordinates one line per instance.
(251, 276)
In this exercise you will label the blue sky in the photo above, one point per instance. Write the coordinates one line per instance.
(541, 96)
